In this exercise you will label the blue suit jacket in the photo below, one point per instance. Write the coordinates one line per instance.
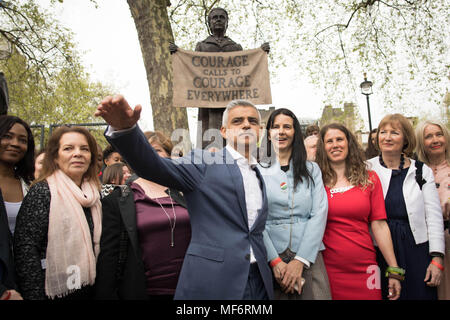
(217, 261)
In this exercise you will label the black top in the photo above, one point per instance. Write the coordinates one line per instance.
(30, 243)
(395, 201)
(7, 274)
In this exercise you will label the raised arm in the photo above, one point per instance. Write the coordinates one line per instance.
(181, 174)
(117, 112)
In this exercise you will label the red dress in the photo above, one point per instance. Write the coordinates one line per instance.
(350, 257)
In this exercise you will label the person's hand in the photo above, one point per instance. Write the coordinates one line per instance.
(394, 288)
(173, 48)
(292, 276)
(266, 47)
(117, 112)
(279, 271)
(434, 274)
(14, 295)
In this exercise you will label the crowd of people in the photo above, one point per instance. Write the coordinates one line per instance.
(280, 215)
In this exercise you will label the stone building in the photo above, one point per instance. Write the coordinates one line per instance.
(348, 116)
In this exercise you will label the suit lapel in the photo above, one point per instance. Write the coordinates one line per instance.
(236, 177)
(177, 196)
(128, 212)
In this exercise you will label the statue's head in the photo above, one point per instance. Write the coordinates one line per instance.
(218, 20)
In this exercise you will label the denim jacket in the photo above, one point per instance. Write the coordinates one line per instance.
(309, 207)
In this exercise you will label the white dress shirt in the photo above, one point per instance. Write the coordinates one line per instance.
(252, 188)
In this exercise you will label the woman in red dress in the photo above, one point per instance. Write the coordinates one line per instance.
(355, 203)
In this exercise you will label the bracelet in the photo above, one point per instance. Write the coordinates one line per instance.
(396, 276)
(395, 273)
(8, 295)
(395, 270)
(437, 264)
(437, 254)
(275, 261)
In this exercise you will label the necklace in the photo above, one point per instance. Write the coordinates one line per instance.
(339, 190)
(400, 167)
(172, 225)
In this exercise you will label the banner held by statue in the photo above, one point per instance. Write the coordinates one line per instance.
(212, 79)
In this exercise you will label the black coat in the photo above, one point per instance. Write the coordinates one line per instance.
(6, 253)
(120, 269)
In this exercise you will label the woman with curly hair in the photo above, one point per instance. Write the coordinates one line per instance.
(355, 204)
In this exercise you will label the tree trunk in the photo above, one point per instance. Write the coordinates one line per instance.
(155, 34)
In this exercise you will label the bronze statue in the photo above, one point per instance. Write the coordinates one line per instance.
(216, 42)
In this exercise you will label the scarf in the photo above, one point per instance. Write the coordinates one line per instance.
(71, 261)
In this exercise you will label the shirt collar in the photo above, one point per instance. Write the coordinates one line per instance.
(239, 157)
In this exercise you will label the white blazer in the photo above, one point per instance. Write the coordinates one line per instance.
(423, 207)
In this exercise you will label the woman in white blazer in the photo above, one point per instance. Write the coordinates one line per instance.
(413, 209)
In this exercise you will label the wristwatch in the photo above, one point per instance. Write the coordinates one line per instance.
(436, 254)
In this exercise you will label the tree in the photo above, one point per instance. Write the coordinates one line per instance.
(401, 44)
(44, 44)
(155, 34)
(70, 97)
(47, 83)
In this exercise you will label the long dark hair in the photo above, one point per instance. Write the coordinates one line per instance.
(25, 167)
(298, 155)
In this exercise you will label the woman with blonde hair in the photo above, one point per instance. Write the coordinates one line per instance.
(355, 203)
(57, 238)
(412, 206)
(433, 148)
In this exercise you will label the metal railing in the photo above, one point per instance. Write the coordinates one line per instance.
(53, 126)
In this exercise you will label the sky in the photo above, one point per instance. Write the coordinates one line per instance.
(107, 39)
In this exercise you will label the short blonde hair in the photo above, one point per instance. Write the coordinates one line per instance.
(399, 121)
(421, 154)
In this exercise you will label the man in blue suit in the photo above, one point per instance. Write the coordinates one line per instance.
(226, 200)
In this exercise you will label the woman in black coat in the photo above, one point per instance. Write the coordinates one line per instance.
(145, 234)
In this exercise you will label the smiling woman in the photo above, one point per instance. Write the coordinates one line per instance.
(413, 210)
(355, 204)
(16, 163)
(59, 224)
(297, 202)
(16, 171)
(433, 148)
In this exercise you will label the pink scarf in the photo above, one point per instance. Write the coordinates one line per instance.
(71, 262)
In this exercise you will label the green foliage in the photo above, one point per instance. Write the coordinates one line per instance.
(402, 45)
(46, 81)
